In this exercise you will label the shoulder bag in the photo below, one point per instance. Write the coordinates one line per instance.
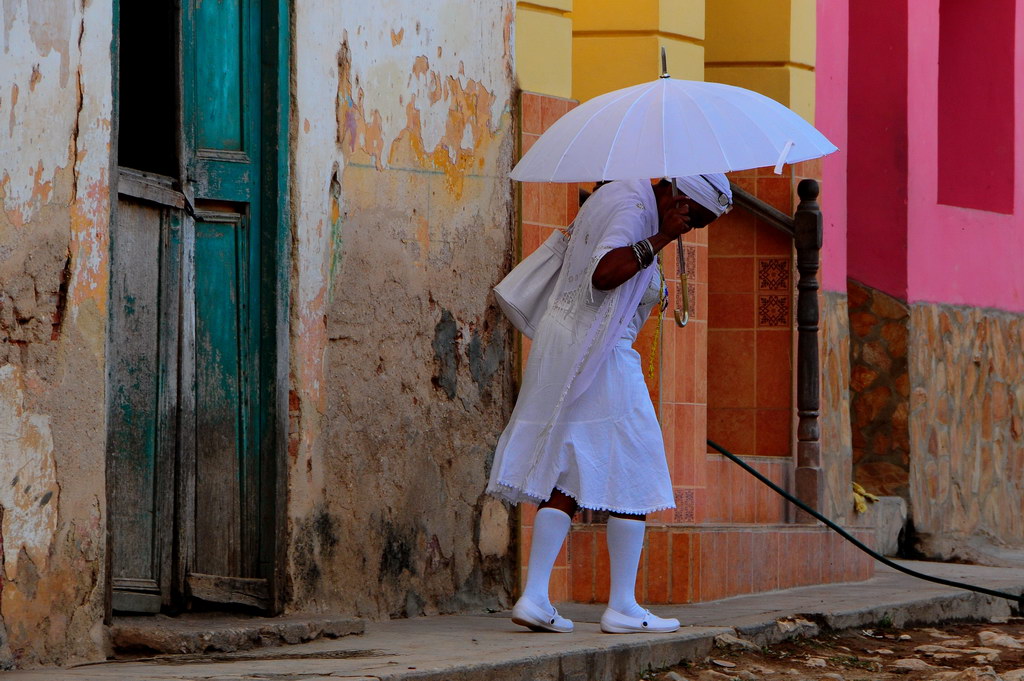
(524, 293)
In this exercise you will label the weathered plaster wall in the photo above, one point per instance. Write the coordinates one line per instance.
(401, 362)
(966, 431)
(55, 110)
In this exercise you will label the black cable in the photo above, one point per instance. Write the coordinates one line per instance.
(1019, 599)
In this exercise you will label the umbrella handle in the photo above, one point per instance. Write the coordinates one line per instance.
(682, 312)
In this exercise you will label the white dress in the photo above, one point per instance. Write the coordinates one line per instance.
(611, 455)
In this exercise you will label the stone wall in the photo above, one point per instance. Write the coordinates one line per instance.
(966, 481)
(879, 390)
(401, 362)
(834, 349)
(55, 108)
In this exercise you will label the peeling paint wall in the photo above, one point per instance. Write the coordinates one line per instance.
(55, 111)
(401, 363)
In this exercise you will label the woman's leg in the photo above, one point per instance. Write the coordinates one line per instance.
(550, 527)
(624, 615)
(625, 542)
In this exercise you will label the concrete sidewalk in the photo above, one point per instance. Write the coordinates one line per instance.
(488, 647)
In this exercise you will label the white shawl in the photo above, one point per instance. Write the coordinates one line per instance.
(576, 335)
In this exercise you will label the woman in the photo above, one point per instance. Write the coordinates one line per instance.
(584, 432)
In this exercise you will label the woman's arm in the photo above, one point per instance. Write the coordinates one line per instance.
(619, 265)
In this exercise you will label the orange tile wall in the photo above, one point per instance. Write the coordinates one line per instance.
(750, 324)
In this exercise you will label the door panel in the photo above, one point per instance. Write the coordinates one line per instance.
(222, 118)
(219, 70)
(221, 387)
(143, 385)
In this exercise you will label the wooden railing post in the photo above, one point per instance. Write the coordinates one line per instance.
(808, 235)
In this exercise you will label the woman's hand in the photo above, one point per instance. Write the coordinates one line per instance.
(674, 215)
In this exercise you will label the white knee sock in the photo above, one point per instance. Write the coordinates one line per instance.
(625, 542)
(549, 530)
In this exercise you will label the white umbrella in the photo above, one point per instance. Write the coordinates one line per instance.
(670, 128)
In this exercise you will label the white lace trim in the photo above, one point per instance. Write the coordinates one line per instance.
(538, 498)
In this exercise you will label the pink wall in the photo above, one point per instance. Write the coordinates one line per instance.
(877, 128)
(958, 255)
(831, 82)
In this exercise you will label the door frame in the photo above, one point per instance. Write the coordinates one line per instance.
(274, 270)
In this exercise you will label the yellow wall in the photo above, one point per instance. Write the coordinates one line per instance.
(544, 47)
(616, 44)
(764, 45)
(583, 48)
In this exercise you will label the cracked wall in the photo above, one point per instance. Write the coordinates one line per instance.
(55, 110)
(401, 362)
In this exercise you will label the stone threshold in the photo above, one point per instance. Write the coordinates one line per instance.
(134, 637)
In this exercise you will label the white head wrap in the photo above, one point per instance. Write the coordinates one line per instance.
(711, 191)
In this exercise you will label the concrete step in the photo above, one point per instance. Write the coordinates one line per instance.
(198, 634)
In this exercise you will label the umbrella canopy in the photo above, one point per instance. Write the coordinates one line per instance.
(670, 128)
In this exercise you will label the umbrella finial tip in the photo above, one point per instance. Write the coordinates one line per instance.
(664, 64)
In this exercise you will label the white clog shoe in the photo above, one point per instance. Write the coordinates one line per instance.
(534, 617)
(614, 622)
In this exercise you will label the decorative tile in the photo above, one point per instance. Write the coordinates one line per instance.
(773, 274)
(691, 291)
(690, 252)
(773, 311)
(685, 506)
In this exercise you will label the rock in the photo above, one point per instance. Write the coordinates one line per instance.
(929, 649)
(744, 675)
(833, 676)
(905, 637)
(887, 516)
(735, 643)
(913, 664)
(672, 676)
(712, 675)
(1014, 675)
(815, 662)
(935, 633)
(947, 656)
(883, 651)
(995, 638)
(797, 627)
(969, 674)
(983, 655)
(724, 663)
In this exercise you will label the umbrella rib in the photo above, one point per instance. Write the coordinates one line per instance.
(618, 130)
(579, 132)
(714, 133)
(756, 126)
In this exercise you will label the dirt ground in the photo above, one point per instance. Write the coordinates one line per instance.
(953, 652)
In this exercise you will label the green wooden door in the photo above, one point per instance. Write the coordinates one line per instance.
(197, 373)
(221, 85)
